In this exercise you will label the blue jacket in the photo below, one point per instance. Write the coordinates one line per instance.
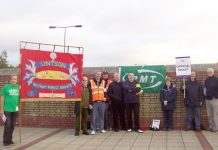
(170, 96)
(130, 90)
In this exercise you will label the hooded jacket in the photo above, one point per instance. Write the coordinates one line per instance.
(170, 96)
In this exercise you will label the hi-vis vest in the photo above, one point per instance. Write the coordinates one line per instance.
(97, 91)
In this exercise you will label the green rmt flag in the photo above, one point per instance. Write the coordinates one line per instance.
(151, 78)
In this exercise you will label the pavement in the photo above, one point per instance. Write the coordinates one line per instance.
(64, 139)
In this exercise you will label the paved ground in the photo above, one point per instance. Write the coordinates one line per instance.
(56, 139)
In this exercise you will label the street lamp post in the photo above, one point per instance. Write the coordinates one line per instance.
(65, 31)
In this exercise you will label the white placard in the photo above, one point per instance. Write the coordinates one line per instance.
(155, 124)
(183, 66)
(52, 95)
(3, 118)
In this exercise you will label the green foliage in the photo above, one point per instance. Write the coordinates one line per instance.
(3, 60)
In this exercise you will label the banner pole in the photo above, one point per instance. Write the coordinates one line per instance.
(20, 113)
(184, 86)
(20, 121)
(80, 117)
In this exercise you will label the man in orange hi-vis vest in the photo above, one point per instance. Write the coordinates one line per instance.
(97, 103)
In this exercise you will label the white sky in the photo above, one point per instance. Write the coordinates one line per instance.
(116, 32)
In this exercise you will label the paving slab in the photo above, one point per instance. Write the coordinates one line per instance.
(149, 140)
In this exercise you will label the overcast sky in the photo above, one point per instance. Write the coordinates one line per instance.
(116, 32)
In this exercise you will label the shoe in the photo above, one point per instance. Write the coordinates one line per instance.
(86, 133)
(77, 134)
(198, 130)
(6, 145)
(92, 132)
(129, 130)
(139, 131)
(169, 129)
(214, 131)
(103, 131)
(12, 143)
(164, 129)
(208, 129)
(116, 130)
(124, 129)
(187, 129)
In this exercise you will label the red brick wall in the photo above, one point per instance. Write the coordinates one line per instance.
(60, 114)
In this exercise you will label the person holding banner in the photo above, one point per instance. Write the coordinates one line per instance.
(211, 93)
(84, 107)
(132, 89)
(97, 102)
(168, 103)
(9, 108)
(193, 101)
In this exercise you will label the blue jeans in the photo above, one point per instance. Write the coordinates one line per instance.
(168, 119)
(91, 120)
(98, 114)
(189, 113)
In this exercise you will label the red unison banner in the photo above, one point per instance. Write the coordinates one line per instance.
(50, 75)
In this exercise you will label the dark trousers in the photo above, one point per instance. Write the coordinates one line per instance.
(168, 119)
(84, 120)
(108, 117)
(132, 108)
(118, 114)
(9, 126)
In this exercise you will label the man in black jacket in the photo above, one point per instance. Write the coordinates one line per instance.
(115, 93)
(132, 89)
(211, 93)
(193, 101)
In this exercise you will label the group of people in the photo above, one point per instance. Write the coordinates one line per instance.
(108, 100)
(194, 96)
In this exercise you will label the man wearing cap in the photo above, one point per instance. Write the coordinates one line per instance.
(108, 112)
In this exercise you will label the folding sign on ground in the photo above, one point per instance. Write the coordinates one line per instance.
(50, 75)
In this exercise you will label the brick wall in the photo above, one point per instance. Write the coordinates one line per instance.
(60, 114)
